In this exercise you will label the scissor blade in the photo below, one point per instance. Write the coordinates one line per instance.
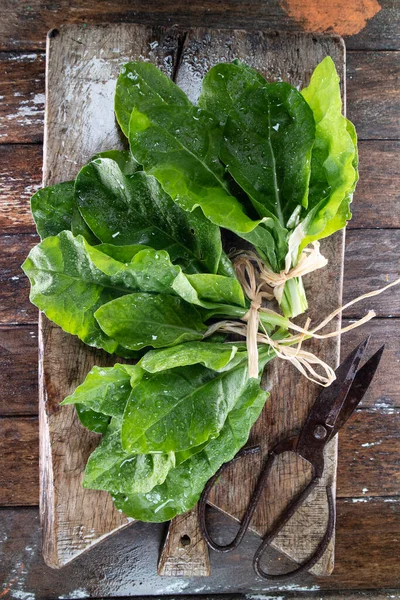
(360, 385)
(328, 404)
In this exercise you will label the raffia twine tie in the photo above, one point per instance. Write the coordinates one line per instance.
(253, 276)
(310, 260)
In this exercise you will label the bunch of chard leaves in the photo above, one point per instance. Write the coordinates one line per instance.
(276, 166)
(131, 261)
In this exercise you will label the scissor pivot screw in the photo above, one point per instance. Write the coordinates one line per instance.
(320, 432)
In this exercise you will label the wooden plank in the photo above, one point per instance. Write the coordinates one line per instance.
(373, 93)
(15, 306)
(125, 564)
(20, 177)
(372, 261)
(22, 91)
(372, 87)
(81, 73)
(369, 454)
(18, 365)
(363, 529)
(368, 459)
(18, 362)
(376, 202)
(27, 25)
(384, 391)
(294, 59)
(19, 475)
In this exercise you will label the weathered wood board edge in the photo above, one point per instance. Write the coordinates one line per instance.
(45, 326)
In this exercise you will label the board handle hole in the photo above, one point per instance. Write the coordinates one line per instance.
(185, 540)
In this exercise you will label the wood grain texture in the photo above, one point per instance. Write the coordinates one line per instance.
(19, 461)
(373, 93)
(184, 553)
(372, 88)
(368, 529)
(384, 391)
(125, 564)
(15, 307)
(27, 25)
(20, 177)
(376, 203)
(18, 363)
(22, 102)
(18, 368)
(11, 296)
(371, 262)
(368, 465)
(369, 454)
(81, 73)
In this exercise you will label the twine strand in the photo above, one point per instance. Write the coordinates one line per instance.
(254, 276)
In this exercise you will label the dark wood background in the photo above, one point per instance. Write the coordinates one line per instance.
(368, 529)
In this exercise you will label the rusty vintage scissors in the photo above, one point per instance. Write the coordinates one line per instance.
(331, 410)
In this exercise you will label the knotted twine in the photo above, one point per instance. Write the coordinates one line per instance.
(310, 260)
(260, 283)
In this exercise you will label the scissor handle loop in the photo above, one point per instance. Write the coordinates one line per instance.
(320, 550)
(287, 445)
(244, 525)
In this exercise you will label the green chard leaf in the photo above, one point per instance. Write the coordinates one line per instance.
(92, 420)
(140, 83)
(139, 320)
(71, 280)
(52, 208)
(177, 143)
(105, 390)
(126, 209)
(214, 356)
(334, 157)
(124, 159)
(267, 139)
(112, 469)
(174, 410)
(216, 288)
(184, 484)
(343, 213)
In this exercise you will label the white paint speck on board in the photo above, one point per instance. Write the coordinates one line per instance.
(20, 595)
(262, 597)
(24, 57)
(176, 586)
(81, 593)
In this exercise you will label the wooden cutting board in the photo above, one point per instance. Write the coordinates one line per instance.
(82, 66)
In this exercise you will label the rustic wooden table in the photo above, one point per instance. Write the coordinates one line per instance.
(368, 529)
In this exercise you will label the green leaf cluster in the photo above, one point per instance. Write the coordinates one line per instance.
(131, 261)
(276, 166)
(169, 423)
